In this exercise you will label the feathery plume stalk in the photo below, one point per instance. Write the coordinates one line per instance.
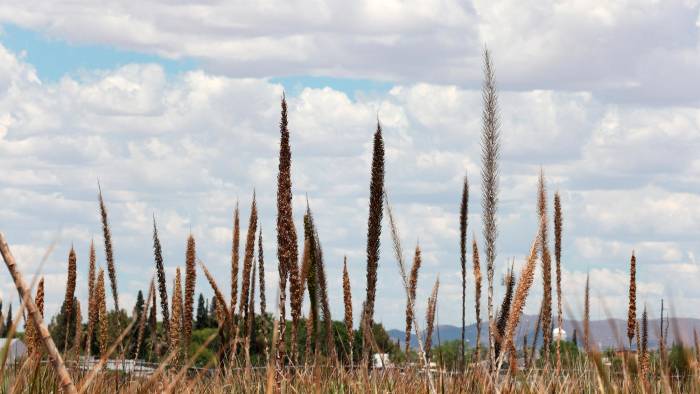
(463, 216)
(261, 273)
(587, 316)
(190, 280)
(176, 319)
(247, 267)
(78, 337)
(632, 311)
(527, 276)
(490, 147)
(645, 332)
(412, 285)
(221, 310)
(32, 333)
(546, 267)
(162, 284)
(108, 250)
(430, 317)
(142, 320)
(638, 335)
(509, 282)
(287, 253)
(558, 222)
(347, 302)
(92, 300)
(374, 227)
(235, 250)
(103, 323)
(398, 253)
(70, 292)
(477, 293)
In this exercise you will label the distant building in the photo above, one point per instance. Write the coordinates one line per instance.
(15, 351)
(381, 360)
(555, 334)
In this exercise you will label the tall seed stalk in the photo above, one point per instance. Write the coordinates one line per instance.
(176, 320)
(325, 304)
(413, 286)
(107, 234)
(509, 282)
(78, 337)
(32, 333)
(527, 276)
(645, 337)
(261, 273)
(587, 317)
(546, 267)
(558, 223)
(490, 152)
(430, 317)
(374, 230)
(93, 312)
(235, 250)
(190, 281)
(287, 253)
(70, 293)
(347, 302)
(463, 217)
(632, 310)
(477, 294)
(247, 266)
(103, 322)
(162, 284)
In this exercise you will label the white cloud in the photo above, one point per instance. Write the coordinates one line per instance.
(617, 50)
(186, 147)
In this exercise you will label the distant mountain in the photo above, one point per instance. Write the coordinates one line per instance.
(604, 333)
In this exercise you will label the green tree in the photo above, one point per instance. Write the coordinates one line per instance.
(58, 325)
(201, 318)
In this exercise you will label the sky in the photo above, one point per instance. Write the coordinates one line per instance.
(174, 107)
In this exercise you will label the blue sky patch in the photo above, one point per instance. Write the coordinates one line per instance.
(350, 86)
(54, 58)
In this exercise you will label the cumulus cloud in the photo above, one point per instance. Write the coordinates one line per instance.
(629, 51)
(186, 147)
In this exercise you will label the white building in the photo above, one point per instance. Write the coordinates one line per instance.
(555, 333)
(15, 351)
